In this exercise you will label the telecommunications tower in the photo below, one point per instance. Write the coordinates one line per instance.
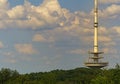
(94, 61)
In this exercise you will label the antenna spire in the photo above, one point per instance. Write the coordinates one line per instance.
(95, 63)
(96, 26)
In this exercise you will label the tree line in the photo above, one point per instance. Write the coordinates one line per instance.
(75, 76)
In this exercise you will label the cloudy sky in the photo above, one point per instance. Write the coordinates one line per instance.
(43, 35)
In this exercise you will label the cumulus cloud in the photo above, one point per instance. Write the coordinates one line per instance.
(113, 9)
(65, 25)
(29, 15)
(16, 12)
(52, 6)
(4, 4)
(25, 48)
(49, 13)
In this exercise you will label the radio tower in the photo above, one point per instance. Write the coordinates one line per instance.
(94, 61)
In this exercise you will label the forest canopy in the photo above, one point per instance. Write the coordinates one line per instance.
(75, 76)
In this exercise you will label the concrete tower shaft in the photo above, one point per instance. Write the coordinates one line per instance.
(95, 59)
(95, 26)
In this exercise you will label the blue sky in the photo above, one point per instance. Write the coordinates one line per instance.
(71, 5)
(44, 35)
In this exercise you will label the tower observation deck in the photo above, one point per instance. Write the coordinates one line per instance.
(94, 61)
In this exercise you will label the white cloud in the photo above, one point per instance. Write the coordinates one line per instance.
(52, 5)
(65, 25)
(39, 38)
(112, 11)
(116, 29)
(1, 45)
(49, 13)
(16, 12)
(25, 48)
(30, 16)
(4, 4)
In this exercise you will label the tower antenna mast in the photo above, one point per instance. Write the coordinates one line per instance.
(95, 63)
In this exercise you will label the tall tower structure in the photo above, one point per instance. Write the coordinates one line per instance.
(94, 61)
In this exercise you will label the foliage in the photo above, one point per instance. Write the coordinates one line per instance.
(74, 76)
